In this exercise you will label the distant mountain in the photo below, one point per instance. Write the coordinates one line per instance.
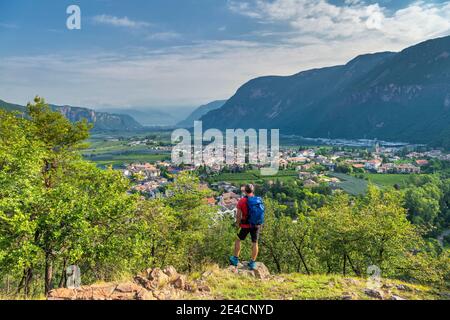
(102, 121)
(146, 116)
(11, 106)
(200, 112)
(154, 116)
(390, 96)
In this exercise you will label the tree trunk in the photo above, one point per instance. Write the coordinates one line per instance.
(63, 279)
(345, 265)
(7, 285)
(299, 252)
(355, 270)
(381, 257)
(25, 281)
(274, 257)
(28, 279)
(48, 273)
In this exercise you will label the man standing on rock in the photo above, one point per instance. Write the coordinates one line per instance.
(250, 218)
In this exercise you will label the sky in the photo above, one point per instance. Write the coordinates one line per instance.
(162, 53)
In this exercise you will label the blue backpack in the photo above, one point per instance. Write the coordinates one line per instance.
(255, 211)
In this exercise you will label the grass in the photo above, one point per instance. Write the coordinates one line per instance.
(388, 180)
(351, 184)
(228, 286)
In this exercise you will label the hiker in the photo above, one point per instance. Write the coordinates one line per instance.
(250, 218)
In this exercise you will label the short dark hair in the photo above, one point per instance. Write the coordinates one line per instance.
(249, 188)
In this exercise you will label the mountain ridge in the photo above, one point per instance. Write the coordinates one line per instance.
(386, 95)
(200, 112)
(102, 121)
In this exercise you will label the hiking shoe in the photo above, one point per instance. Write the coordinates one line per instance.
(234, 261)
(252, 265)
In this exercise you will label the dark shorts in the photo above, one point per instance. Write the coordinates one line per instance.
(254, 233)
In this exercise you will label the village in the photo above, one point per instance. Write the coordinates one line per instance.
(310, 166)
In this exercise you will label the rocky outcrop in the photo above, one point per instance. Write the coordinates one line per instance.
(374, 293)
(153, 284)
(260, 272)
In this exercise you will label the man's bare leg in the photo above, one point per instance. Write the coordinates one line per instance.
(255, 250)
(237, 248)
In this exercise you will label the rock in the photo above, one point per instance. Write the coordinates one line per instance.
(387, 286)
(117, 295)
(128, 287)
(403, 287)
(349, 296)
(394, 297)
(84, 293)
(158, 277)
(102, 291)
(167, 294)
(203, 288)
(180, 282)
(351, 281)
(127, 291)
(166, 284)
(373, 293)
(144, 282)
(147, 273)
(260, 272)
(61, 294)
(145, 295)
(189, 287)
(171, 272)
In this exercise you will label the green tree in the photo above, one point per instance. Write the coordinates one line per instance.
(55, 208)
(423, 203)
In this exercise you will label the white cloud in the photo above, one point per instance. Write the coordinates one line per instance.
(314, 34)
(418, 21)
(179, 75)
(119, 22)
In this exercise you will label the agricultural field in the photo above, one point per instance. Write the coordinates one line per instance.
(388, 180)
(119, 161)
(253, 176)
(117, 150)
(356, 185)
(350, 184)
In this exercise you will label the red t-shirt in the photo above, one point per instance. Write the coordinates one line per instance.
(242, 205)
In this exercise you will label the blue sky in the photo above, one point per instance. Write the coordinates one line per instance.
(189, 52)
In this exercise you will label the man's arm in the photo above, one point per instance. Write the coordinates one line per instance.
(238, 216)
